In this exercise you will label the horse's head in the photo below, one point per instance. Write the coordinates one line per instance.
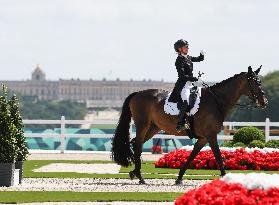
(254, 90)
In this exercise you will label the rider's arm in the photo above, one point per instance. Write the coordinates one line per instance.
(197, 59)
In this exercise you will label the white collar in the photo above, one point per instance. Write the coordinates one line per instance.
(186, 56)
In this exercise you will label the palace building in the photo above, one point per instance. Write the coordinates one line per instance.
(96, 93)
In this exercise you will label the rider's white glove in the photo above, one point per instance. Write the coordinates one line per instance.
(203, 52)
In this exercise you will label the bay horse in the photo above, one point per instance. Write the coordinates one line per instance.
(147, 110)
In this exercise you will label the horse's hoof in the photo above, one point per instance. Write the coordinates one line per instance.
(132, 175)
(142, 181)
(223, 174)
(179, 182)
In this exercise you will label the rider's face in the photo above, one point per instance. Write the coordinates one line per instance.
(184, 50)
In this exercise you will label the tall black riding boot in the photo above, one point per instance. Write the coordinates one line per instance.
(189, 120)
(182, 123)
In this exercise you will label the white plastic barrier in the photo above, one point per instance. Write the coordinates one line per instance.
(63, 122)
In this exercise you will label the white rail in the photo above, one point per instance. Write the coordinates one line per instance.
(63, 122)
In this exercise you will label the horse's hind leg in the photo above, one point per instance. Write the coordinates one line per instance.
(197, 147)
(138, 143)
(137, 147)
(153, 130)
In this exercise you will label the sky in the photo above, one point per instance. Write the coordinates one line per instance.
(133, 39)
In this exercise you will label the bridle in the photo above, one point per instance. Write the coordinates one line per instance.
(253, 78)
(253, 97)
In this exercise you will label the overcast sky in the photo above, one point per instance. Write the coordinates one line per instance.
(134, 38)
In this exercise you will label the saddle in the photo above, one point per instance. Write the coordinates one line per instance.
(190, 100)
(190, 93)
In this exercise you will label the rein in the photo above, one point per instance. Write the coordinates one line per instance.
(205, 85)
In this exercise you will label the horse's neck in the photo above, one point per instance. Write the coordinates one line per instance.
(228, 94)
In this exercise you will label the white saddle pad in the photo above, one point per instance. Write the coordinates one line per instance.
(171, 108)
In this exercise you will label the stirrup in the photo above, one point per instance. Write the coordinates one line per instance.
(187, 125)
(184, 126)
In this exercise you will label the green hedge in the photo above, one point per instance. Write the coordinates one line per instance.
(239, 144)
(247, 134)
(272, 144)
(227, 144)
(257, 143)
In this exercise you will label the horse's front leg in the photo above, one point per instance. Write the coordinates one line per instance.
(217, 154)
(197, 147)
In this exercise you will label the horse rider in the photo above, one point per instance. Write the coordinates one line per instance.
(184, 67)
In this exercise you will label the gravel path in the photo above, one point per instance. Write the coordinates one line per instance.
(102, 185)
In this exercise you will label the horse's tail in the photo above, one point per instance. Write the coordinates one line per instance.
(121, 150)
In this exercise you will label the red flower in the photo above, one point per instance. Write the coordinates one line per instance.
(239, 159)
(220, 192)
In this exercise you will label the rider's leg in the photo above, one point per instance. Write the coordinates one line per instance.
(181, 125)
(189, 121)
(185, 120)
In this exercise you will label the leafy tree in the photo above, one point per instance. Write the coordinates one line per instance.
(42, 109)
(32, 108)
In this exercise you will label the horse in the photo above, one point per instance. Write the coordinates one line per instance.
(146, 107)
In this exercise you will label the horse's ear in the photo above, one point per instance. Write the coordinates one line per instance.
(250, 70)
(258, 70)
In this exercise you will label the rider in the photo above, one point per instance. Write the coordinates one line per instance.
(184, 67)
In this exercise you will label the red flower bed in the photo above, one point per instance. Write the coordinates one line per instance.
(237, 160)
(219, 192)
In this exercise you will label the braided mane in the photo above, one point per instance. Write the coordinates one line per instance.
(220, 84)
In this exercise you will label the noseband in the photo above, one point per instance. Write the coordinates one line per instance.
(252, 89)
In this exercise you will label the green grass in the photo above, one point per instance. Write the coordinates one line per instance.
(148, 171)
(27, 197)
(148, 167)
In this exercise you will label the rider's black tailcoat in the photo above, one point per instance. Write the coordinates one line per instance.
(184, 67)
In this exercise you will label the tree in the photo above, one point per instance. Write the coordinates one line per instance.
(17, 121)
(8, 147)
(44, 109)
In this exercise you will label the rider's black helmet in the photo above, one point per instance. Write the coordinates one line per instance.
(180, 43)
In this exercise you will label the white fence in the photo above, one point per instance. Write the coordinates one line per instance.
(63, 122)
